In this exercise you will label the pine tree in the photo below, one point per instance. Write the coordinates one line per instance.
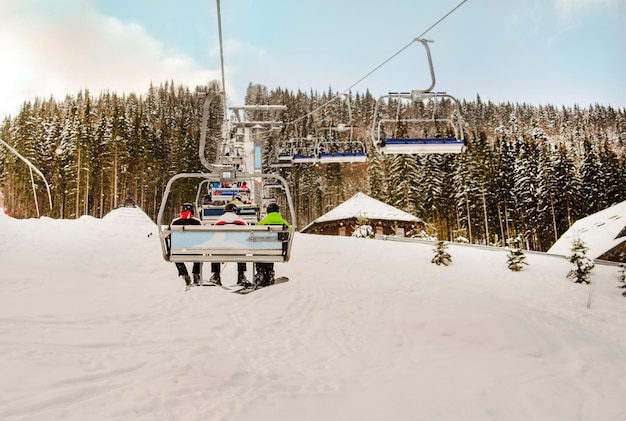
(442, 257)
(524, 190)
(581, 271)
(503, 182)
(565, 185)
(515, 255)
(376, 177)
(425, 187)
(591, 176)
(613, 190)
(363, 229)
(622, 277)
(464, 200)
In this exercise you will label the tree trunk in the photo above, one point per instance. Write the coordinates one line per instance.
(556, 235)
(503, 238)
(78, 169)
(469, 218)
(114, 191)
(485, 214)
(86, 208)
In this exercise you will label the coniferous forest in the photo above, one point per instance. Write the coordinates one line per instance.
(528, 171)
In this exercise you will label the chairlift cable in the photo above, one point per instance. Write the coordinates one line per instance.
(345, 91)
(439, 21)
(219, 27)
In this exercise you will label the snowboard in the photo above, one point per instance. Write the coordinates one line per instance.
(244, 291)
(213, 284)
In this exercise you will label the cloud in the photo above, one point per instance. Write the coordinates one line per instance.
(58, 51)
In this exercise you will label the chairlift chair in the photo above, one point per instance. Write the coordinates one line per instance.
(224, 243)
(413, 125)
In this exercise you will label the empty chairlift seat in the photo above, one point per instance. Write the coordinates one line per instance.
(421, 145)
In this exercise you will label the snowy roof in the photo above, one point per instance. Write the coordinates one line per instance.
(600, 232)
(361, 205)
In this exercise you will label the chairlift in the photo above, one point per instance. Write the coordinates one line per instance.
(411, 126)
(284, 161)
(338, 148)
(226, 243)
(344, 152)
(304, 150)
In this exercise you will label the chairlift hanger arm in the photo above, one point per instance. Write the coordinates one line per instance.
(425, 42)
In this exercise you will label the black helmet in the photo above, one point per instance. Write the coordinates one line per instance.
(230, 207)
(273, 207)
(189, 207)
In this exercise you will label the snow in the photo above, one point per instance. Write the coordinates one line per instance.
(95, 325)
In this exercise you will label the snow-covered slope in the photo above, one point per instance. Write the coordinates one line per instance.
(129, 216)
(95, 325)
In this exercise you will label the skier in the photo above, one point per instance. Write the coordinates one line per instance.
(265, 271)
(229, 217)
(187, 217)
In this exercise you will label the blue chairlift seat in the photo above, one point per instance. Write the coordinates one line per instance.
(339, 157)
(304, 159)
(422, 145)
(281, 164)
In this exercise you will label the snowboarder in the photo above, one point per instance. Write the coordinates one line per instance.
(265, 271)
(229, 217)
(187, 217)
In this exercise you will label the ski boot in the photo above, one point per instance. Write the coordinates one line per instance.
(215, 278)
(259, 277)
(196, 279)
(242, 280)
(269, 278)
(187, 279)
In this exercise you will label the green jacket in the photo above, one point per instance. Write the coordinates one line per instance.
(274, 218)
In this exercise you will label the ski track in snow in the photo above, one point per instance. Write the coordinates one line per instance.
(101, 329)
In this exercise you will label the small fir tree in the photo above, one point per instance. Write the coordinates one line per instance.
(516, 257)
(622, 277)
(581, 272)
(442, 257)
(363, 229)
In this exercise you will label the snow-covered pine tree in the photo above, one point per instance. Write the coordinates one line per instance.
(515, 255)
(363, 229)
(376, 177)
(622, 277)
(591, 171)
(442, 257)
(581, 271)
(524, 189)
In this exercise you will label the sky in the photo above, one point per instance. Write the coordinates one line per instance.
(364, 329)
(560, 52)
